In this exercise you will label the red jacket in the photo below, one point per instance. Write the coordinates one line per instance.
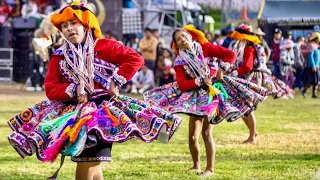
(275, 51)
(127, 60)
(247, 65)
(185, 83)
(5, 10)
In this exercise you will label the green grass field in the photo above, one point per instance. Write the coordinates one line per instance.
(288, 147)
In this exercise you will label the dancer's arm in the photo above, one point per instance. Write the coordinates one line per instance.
(128, 60)
(55, 89)
(220, 52)
(247, 66)
(185, 84)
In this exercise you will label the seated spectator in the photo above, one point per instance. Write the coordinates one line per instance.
(126, 88)
(167, 76)
(133, 42)
(142, 81)
(158, 72)
(168, 59)
(16, 10)
(4, 11)
(209, 36)
(30, 9)
(111, 35)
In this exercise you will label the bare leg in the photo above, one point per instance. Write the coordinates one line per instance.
(87, 170)
(246, 122)
(195, 125)
(98, 174)
(210, 147)
(251, 123)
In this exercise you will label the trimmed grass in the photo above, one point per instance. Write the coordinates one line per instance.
(288, 147)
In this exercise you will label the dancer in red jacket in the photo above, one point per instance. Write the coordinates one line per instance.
(251, 65)
(84, 114)
(196, 71)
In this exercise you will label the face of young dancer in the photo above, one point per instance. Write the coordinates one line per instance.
(73, 31)
(183, 40)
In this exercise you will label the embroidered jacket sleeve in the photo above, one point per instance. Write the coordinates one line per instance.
(56, 90)
(247, 65)
(184, 83)
(127, 60)
(226, 55)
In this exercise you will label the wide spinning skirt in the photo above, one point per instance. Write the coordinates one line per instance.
(243, 98)
(50, 128)
(274, 86)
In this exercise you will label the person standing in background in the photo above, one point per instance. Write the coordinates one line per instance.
(148, 47)
(155, 33)
(286, 62)
(311, 76)
(264, 43)
(275, 46)
(288, 35)
(299, 62)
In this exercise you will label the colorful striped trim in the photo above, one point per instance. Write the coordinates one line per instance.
(224, 66)
(118, 79)
(199, 82)
(72, 90)
(91, 159)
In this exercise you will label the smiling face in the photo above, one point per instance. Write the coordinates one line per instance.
(73, 30)
(183, 40)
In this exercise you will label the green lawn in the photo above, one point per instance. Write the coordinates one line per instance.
(288, 147)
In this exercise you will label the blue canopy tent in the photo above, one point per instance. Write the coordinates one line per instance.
(298, 16)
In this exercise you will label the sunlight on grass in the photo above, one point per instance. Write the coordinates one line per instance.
(288, 147)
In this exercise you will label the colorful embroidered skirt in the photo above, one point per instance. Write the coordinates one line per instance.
(50, 128)
(274, 86)
(243, 98)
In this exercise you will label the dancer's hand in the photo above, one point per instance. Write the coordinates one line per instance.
(219, 76)
(114, 91)
(82, 98)
(314, 69)
(207, 81)
(228, 71)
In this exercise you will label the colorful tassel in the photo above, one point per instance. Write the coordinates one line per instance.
(65, 129)
(77, 127)
(78, 145)
(219, 86)
(54, 126)
(53, 151)
(111, 116)
(213, 91)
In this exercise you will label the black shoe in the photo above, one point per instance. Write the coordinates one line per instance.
(304, 94)
(314, 96)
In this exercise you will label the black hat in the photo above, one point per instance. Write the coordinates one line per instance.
(277, 30)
